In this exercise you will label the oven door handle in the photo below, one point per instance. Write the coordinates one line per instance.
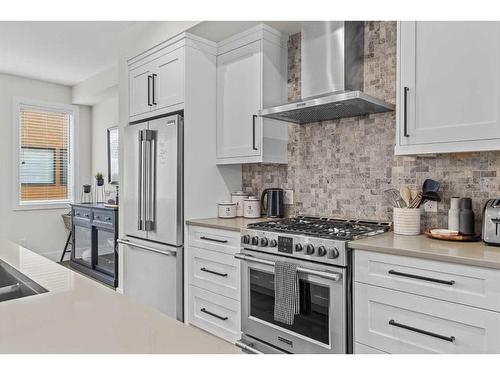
(247, 347)
(324, 274)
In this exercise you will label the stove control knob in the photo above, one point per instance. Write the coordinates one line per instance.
(255, 240)
(332, 253)
(298, 247)
(310, 249)
(246, 239)
(264, 242)
(321, 251)
(273, 243)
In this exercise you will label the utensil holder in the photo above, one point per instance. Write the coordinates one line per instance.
(406, 221)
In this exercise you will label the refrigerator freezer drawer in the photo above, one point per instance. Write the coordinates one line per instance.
(152, 275)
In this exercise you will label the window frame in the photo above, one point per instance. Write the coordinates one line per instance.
(72, 183)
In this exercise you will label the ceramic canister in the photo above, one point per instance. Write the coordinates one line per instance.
(227, 210)
(251, 207)
(238, 197)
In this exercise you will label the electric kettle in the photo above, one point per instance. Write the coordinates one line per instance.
(272, 202)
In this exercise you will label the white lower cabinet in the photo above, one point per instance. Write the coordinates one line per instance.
(214, 313)
(213, 276)
(396, 313)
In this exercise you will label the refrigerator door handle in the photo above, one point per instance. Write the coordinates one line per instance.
(143, 247)
(146, 182)
(152, 180)
(149, 180)
(140, 181)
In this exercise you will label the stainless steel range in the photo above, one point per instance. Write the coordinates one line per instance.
(319, 247)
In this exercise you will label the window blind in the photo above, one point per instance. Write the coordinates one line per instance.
(45, 172)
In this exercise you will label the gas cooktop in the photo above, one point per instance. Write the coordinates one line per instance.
(334, 229)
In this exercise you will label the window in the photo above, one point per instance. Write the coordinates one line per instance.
(37, 166)
(44, 154)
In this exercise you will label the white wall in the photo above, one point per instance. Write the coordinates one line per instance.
(39, 230)
(97, 88)
(104, 116)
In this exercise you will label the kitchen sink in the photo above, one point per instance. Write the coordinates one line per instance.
(13, 284)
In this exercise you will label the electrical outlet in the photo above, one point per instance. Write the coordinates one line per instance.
(431, 206)
(289, 197)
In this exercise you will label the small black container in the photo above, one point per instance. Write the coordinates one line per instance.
(466, 216)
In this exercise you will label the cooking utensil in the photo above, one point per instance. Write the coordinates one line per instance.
(414, 193)
(394, 197)
(406, 195)
(416, 201)
(430, 186)
(431, 196)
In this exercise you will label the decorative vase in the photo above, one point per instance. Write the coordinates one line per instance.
(454, 214)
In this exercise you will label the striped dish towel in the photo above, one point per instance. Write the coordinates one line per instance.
(286, 292)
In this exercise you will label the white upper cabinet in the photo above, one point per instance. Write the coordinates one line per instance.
(157, 81)
(448, 87)
(251, 75)
(169, 79)
(140, 80)
(238, 102)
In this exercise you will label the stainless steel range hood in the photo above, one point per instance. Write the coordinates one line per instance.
(332, 71)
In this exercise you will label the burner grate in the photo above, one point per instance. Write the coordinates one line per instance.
(340, 229)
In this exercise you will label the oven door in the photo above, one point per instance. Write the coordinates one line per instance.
(321, 325)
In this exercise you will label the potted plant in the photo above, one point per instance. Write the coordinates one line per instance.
(99, 178)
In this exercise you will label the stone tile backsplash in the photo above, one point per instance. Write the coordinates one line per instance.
(340, 168)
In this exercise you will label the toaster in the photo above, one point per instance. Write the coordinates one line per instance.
(491, 222)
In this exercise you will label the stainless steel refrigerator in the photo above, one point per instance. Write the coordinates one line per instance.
(153, 214)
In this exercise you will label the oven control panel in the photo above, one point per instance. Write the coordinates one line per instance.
(296, 246)
(285, 244)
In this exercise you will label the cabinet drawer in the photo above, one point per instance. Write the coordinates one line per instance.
(397, 322)
(81, 213)
(365, 349)
(214, 271)
(214, 313)
(214, 239)
(103, 217)
(468, 285)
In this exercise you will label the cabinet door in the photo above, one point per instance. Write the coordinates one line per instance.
(451, 74)
(140, 85)
(168, 80)
(239, 98)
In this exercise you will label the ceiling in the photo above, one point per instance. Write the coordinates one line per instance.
(220, 30)
(60, 52)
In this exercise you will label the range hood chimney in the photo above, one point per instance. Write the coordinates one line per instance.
(332, 70)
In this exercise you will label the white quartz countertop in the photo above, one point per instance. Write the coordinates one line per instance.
(468, 253)
(79, 315)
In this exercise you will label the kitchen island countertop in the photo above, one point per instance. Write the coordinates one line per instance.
(468, 253)
(79, 315)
